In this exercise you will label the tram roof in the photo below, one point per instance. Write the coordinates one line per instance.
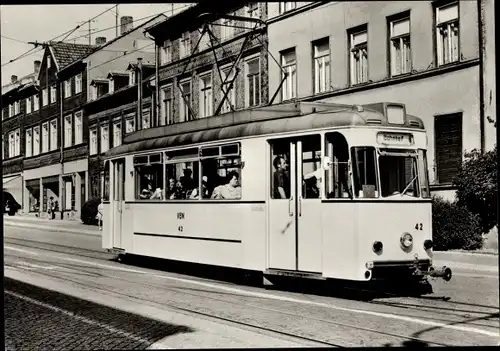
(280, 118)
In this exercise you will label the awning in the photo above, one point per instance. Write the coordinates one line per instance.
(7, 180)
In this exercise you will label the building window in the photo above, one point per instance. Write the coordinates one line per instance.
(167, 106)
(36, 103)
(230, 100)
(100, 89)
(11, 110)
(45, 137)
(146, 119)
(117, 133)
(67, 88)
(287, 6)
(359, 57)
(130, 125)
(447, 33)
(68, 129)
(253, 82)
(78, 84)
(29, 143)
(321, 65)
(53, 94)
(17, 107)
(78, 127)
(166, 52)
(45, 97)
(93, 141)
(53, 134)
(17, 140)
(400, 46)
(185, 101)
(111, 84)
(131, 78)
(28, 105)
(104, 138)
(252, 12)
(13, 140)
(36, 140)
(206, 103)
(448, 141)
(226, 30)
(185, 49)
(289, 66)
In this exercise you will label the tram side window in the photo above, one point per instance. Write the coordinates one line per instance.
(221, 168)
(364, 172)
(338, 183)
(312, 170)
(182, 180)
(148, 177)
(105, 182)
(398, 174)
(280, 181)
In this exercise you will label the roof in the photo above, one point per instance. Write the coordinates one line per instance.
(66, 53)
(97, 48)
(113, 74)
(175, 25)
(98, 80)
(133, 65)
(260, 121)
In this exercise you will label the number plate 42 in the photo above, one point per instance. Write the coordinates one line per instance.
(419, 226)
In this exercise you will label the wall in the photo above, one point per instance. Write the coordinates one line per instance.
(98, 67)
(336, 18)
(488, 12)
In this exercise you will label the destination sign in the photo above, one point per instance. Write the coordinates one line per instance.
(395, 139)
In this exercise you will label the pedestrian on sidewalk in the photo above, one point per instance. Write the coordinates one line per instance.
(100, 214)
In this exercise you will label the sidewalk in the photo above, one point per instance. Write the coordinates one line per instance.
(58, 225)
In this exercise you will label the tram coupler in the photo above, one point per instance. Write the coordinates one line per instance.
(443, 272)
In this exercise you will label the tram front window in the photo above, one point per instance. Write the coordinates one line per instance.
(364, 172)
(398, 174)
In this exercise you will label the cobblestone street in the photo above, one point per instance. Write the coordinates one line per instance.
(37, 318)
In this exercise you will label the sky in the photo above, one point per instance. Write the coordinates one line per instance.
(28, 23)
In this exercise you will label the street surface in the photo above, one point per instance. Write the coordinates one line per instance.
(115, 305)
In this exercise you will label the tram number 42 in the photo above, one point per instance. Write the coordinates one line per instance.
(181, 228)
(419, 226)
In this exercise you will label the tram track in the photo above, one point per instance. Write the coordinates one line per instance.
(404, 338)
(252, 306)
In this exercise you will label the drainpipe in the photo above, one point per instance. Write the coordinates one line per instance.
(157, 86)
(61, 140)
(481, 73)
(138, 124)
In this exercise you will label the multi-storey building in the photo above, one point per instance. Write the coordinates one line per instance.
(112, 94)
(17, 104)
(425, 54)
(49, 170)
(199, 66)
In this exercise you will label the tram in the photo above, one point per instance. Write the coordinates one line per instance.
(311, 190)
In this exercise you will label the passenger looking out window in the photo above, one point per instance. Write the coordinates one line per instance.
(312, 170)
(149, 177)
(281, 178)
(231, 190)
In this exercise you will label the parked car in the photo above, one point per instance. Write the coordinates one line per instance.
(89, 211)
(10, 205)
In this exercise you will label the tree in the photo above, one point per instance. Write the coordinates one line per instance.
(477, 187)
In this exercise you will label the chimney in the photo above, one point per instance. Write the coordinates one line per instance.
(36, 65)
(13, 78)
(100, 41)
(126, 24)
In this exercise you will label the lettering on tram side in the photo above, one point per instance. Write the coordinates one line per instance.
(419, 226)
(180, 215)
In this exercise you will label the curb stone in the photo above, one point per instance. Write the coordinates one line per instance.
(54, 229)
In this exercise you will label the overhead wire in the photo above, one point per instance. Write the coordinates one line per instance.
(137, 20)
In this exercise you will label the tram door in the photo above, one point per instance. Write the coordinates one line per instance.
(117, 200)
(295, 204)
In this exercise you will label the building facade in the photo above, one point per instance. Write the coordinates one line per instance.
(425, 54)
(18, 104)
(207, 71)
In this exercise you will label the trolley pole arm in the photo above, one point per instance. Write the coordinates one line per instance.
(285, 75)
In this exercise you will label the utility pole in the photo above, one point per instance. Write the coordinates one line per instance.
(117, 22)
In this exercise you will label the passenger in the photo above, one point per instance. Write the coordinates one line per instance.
(281, 179)
(231, 190)
(157, 195)
(170, 193)
(195, 193)
(313, 182)
(180, 193)
(187, 180)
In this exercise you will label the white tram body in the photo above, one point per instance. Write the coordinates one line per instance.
(356, 228)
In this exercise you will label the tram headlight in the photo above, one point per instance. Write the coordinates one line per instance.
(406, 240)
(377, 246)
(428, 244)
